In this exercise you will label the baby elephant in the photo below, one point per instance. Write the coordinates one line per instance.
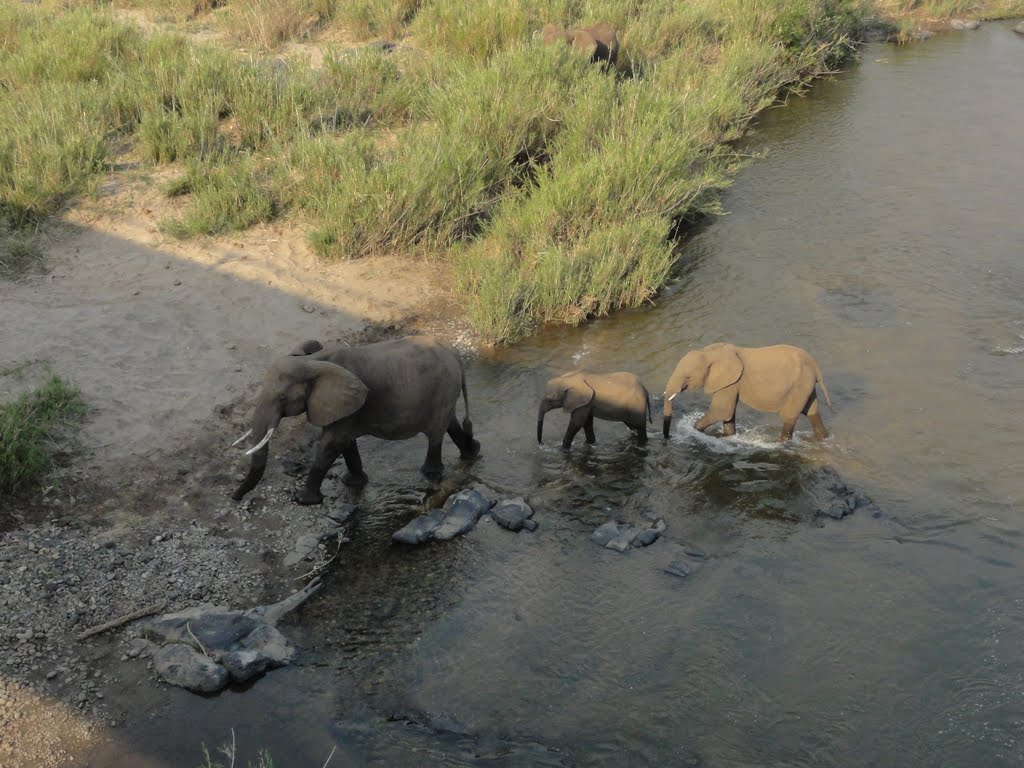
(779, 379)
(608, 396)
(599, 41)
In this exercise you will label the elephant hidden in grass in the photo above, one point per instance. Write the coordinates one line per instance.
(779, 379)
(586, 396)
(599, 41)
(392, 390)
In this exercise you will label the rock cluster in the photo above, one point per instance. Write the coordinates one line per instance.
(206, 647)
(621, 536)
(460, 514)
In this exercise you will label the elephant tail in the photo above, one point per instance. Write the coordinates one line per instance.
(821, 382)
(467, 424)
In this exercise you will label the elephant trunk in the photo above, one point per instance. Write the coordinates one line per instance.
(676, 384)
(263, 427)
(545, 406)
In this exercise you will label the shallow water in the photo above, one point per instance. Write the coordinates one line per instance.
(883, 231)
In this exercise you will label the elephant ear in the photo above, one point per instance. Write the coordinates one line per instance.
(307, 347)
(579, 393)
(335, 394)
(724, 367)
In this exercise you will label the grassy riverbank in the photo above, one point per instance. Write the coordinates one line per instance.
(545, 187)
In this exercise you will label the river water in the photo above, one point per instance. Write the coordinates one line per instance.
(883, 231)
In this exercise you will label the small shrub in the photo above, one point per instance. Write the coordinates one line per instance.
(225, 196)
(376, 18)
(31, 428)
(20, 252)
(269, 23)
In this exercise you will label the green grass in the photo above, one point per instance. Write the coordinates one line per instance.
(546, 187)
(224, 197)
(32, 429)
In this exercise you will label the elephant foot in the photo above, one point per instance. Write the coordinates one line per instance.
(472, 451)
(308, 497)
(432, 472)
(353, 480)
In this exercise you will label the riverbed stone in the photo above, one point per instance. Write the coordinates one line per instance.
(605, 533)
(181, 665)
(513, 514)
(624, 540)
(477, 496)
(646, 537)
(460, 518)
(420, 529)
(679, 567)
(1019, 29)
(966, 24)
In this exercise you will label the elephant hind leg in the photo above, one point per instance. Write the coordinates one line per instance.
(433, 467)
(588, 429)
(467, 445)
(813, 413)
(577, 421)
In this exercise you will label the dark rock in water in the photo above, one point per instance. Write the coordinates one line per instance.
(1019, 29)
(679, 567)
(964, 23)
(181, 665)
(693, 551)
(605, 533)
(341, 512)
(473, 496)
(530, 525)
(513, 514)
(646, 537)
(205, 624)
(461, 517)
(243, 666)
(421, 529)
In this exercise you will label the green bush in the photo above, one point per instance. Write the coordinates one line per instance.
(31, 429)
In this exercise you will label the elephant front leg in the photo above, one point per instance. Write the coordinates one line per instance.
(588, 429)
(326, 455)
(723, 408)
(355, 477)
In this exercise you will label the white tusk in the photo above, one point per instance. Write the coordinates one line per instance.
(673, 397)
(241, 438)
(261, 443)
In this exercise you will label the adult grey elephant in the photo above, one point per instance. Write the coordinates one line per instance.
(778, 379)
(586, 396)
(392, 390)
(598, 41)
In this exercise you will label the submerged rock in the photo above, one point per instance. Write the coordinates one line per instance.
(206, 646)
(964, 23)
(181, 665)
(421, 529)
(1019, 29)
(620, 536)
(514, 515)
(605, 533)
(679, 567)
(459, 515)
(460, 518)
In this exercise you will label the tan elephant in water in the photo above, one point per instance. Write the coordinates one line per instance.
(598, 41)
(392, 390)
(586, 396)
(778, 379)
